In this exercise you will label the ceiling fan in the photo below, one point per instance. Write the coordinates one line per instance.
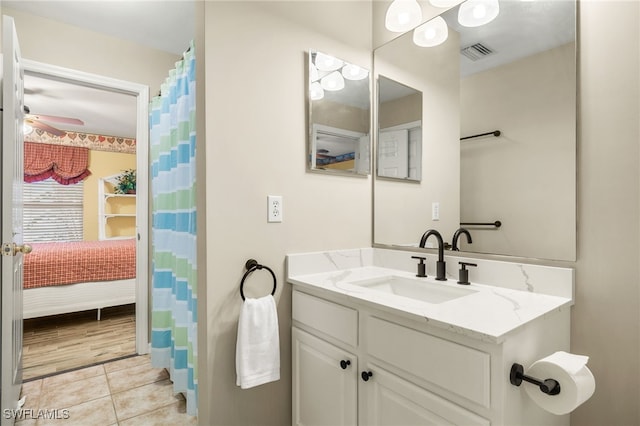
(35, 121)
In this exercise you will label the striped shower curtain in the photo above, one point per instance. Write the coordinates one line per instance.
(173, 183)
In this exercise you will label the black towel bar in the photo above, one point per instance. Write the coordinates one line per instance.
(497, 224)
(495, 133)
(251, 266)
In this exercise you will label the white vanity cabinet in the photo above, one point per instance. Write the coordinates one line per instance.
(420, 374)
(334, 345)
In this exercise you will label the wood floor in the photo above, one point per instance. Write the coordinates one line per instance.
(65, 342)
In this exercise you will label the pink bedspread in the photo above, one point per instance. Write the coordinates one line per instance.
(51, 264)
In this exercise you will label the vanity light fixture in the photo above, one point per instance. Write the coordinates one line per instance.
(474, 13)
(327, 62)
(333, 81)
(354, 72)
(403, 15)
(431, 33)
(316, 91)
(328, 73)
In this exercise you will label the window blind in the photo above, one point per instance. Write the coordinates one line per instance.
(53, 212)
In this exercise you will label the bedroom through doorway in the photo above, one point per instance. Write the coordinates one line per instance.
(86, 165)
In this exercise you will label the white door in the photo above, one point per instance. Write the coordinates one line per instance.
(11, 201)
(388, 399)
(393, 153)
(415, 153)
(324, 382)
(362, 158)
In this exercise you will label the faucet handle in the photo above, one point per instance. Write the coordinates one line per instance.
(464, 273)
(422, 270)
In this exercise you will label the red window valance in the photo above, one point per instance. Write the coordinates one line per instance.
(65, 164)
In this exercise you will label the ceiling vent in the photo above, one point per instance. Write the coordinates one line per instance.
(476, 51)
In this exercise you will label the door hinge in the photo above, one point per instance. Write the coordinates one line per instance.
(7, 249)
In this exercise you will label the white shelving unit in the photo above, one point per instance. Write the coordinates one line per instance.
(107, 208)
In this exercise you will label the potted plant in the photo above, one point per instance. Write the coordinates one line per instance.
(126, 182)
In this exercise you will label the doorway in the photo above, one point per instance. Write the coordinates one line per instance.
(139, 289)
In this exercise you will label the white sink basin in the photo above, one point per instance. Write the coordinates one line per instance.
(414, 288)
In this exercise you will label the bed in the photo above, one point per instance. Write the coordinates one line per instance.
(77, 276)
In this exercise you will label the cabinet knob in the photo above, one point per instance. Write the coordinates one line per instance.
(344, 364)
(365, 375)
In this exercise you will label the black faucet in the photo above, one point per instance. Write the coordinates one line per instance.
(440, 265)
(456, 235)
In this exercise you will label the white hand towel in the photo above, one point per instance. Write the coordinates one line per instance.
(258, 343)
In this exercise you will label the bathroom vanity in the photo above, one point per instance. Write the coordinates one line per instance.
(374, 344)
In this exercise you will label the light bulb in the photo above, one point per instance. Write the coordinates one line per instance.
(474, 13)
(403, 15)
(315, 91)
(332, 82)
(431, 33)
(403, 18)
(479, 11)
(327, 62)
(354, 72)
(26, 128)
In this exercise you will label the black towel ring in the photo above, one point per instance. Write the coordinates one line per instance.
(251, 266)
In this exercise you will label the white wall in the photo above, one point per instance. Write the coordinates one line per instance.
(526, 177)
(65, 45)
(605, 318)
(256, 135)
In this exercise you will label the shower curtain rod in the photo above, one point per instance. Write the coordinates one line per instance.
(495, 133)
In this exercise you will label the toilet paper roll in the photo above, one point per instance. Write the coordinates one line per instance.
(577, 383)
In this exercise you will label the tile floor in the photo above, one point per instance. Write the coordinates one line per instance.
(125, 392)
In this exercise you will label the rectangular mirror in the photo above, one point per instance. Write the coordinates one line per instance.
(399, 130)
(515, 74)
(339, 116)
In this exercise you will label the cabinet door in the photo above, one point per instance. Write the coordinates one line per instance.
(390, 400)
(324, 393)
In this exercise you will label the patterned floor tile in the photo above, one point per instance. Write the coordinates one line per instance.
(138, 375)
(73, 393)
(144, 399)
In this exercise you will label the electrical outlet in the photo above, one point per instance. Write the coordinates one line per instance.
(435, 211)
(274, 208)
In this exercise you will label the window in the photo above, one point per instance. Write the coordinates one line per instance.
(52, 212)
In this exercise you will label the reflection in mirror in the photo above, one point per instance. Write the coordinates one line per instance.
(399, 130)
(516, 74)
(402, 209)
(339, 116)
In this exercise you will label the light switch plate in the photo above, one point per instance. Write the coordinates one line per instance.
(435, 211)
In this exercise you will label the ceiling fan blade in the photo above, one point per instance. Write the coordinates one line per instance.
(56, 119)
(46, 128)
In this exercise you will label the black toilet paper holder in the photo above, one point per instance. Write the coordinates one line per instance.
(548, 386)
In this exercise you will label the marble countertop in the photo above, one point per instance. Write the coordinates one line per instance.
(489, 314)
